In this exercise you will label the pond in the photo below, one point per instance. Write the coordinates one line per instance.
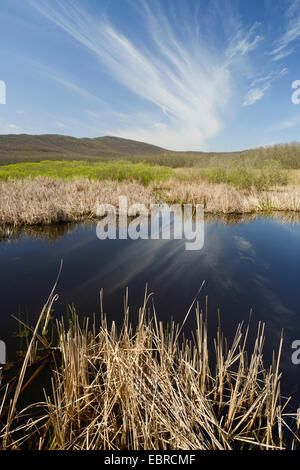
(249, 263)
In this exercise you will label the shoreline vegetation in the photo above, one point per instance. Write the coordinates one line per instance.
(257, 181)
(54, 231)
(41, 199)
(145, 387)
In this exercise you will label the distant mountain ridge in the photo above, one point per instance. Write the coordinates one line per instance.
(17, 148)
(25, 147)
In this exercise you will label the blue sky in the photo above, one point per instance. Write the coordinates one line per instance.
(183, 74)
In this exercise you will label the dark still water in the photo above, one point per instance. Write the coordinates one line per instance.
(246, 264)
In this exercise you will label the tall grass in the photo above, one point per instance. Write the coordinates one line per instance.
(149, 388)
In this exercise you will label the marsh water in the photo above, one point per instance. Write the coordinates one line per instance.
(249, 263)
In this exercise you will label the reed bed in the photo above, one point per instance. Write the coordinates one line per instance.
(146, 387)
(45, 200)
(225, 199)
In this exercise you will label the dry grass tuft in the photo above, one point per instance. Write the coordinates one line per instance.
(146, 388)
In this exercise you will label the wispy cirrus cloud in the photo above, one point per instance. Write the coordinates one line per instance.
(260, 85)
(290, 39)
(289, 123)
(255, 94)
(188, 83)
(244, 42)
(10, 128)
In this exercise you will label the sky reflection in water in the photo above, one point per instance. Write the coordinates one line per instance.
(246, 265)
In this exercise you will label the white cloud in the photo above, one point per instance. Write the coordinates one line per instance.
(244, 246)
(285, 45)
(61, 125)
(274, 75)
(289, 123)
(189, 82)
(243, 43)
(14, 127)
(75, 88)
(256, 93)
(11, 129)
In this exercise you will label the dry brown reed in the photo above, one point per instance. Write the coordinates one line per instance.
(46, 200)
(222, 198)
(148, 388)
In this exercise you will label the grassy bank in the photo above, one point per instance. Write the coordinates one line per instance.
(147, 388)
